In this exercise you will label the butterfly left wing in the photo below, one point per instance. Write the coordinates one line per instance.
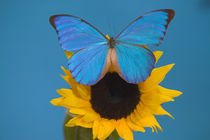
(134, 64)
(75, 33)
(89, 65)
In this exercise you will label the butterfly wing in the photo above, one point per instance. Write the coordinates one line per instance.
(75, 34)
(148, 30)
(134, 63)
(87, 65)
(87, 43)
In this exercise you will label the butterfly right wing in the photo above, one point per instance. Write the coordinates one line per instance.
(134, 61)
(147, 30)
(134, 64)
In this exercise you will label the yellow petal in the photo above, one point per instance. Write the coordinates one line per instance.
(105, 128)
(78, 121)
(157, 125)
(135, 116)
(161, 111)
(95, 129)
(68, 54)
(76, 110)
(79, 90)
(83, 91)
(150, 99)
(65, 92)
(134, 125)
(157, 55)
(57, 101)
(102, 128)
(157, 76)
(167, 95)
(107, 36)
(68, 78)
(90, 115)
(124, 130)
(60, 102)
(72, 99)
(151, 122)
(142, 111)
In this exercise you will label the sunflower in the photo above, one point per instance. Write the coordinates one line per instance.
(113, 104)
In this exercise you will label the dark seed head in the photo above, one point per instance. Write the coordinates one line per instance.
(114, 98)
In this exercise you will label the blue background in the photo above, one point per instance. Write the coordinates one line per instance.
(30, 60)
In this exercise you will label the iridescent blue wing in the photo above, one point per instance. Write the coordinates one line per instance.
(136, 63)
(87, 65)
(75, 34)
(87, 43)
(148, 30)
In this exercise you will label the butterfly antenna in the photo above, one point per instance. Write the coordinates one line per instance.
(112, 30)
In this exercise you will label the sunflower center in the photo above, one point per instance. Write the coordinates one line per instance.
(114, 98)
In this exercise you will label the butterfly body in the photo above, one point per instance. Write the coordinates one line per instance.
(95, 54)
(111, 42)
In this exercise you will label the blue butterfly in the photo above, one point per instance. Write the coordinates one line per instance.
(127, 53)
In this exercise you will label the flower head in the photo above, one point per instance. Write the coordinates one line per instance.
(113, 104)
